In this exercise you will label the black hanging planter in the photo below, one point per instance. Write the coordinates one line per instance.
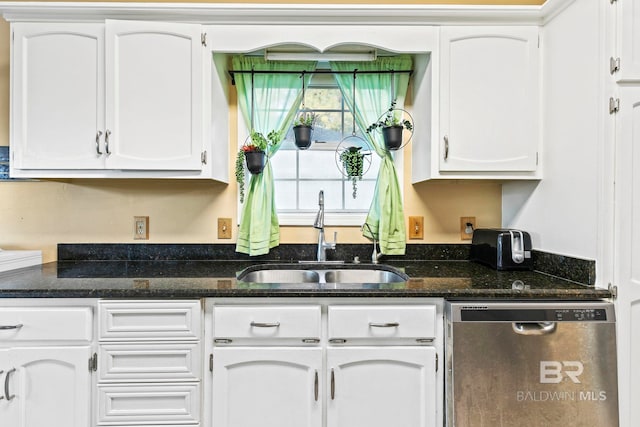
(302, 134)
(256, 161)
(392, 136)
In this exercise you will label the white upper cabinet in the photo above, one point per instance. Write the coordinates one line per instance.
(489, 108)
(154, 95)
(125, 95)
(58, 96)
(628, 40)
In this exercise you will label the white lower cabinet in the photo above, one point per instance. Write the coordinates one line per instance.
(45, 376)
(381, 386)
(46, 386)
(264, 387)
(328, 365)
(149, 363)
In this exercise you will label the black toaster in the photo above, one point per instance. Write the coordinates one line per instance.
(502, 249)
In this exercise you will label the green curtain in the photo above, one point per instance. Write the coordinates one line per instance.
(373, 97)
(276, 98)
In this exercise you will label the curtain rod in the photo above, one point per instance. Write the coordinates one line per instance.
(302, 73)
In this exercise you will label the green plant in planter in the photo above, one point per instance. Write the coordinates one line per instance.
(302, 128)
(353, 161)
(391, 119)
(305, 118)
(258, 144)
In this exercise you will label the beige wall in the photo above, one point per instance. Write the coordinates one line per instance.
(40, 214)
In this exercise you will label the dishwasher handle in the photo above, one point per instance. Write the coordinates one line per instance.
(534, 328)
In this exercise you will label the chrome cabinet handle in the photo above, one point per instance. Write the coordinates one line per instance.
(6, 327)
(98, 135)
(6, 385)
(265, 325)
(315, 386)
(384, 325)
(446, 147)
(106, 141)
(333, 385)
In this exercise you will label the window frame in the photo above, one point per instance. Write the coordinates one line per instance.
(332, 218)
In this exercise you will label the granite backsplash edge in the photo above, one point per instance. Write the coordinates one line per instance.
(569, 268)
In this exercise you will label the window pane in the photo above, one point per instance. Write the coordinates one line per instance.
(318, 165)
(309, 194)
(284, 164)
(364, 195)
(285, 194)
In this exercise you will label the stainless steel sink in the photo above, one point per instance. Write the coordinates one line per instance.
(280, 276)
(321, 273)
(363, 276)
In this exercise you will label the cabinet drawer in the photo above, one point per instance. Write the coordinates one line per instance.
(146, 321)
(149, 404)
(46, 324)
(149, 362)
(382, 322)
(262, 322)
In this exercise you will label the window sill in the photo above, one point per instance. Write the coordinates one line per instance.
(330, 219)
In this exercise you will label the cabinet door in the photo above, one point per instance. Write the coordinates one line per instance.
(381, 387)
(58, 95)
(154, 95)
(627, 271)
(628, 40)
(489, 99)
(267, 387)
(51, 386)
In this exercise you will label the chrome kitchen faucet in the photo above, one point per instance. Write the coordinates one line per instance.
(319, 224)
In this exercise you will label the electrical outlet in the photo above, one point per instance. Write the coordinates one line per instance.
(416, 227)
(467, 225)
(224, 228)
(141, 228)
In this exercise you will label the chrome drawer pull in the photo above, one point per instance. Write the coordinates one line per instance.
(6, 385)
(265, 325)
(6, 327)
(384, 325)
(315, 387)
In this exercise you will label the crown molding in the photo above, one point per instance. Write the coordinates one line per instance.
(283, 14)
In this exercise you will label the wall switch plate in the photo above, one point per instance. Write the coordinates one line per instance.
(416, 227)
(467, 225)
(141, 228)
(224, 228)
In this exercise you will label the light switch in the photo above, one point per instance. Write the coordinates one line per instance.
(416, 227)
(224, 228)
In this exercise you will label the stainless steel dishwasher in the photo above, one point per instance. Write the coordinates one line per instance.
(531, 364)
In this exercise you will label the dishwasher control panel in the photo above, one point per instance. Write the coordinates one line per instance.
(524, 312)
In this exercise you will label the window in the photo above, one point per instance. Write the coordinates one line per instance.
(299, 175)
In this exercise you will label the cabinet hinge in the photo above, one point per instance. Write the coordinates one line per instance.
(614, 65)
(93, 363)
(614, 105)
(203, 157)
(211, 362)
(203, 39)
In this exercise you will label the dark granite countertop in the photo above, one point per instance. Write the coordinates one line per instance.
(217, 278)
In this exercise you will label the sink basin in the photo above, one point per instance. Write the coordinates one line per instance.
(363, 276)
(280, 276)
(321, 273)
